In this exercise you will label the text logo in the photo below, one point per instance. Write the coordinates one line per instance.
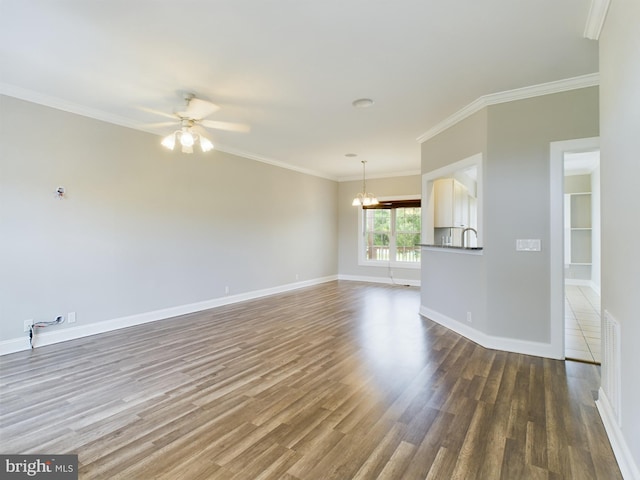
(49, 467)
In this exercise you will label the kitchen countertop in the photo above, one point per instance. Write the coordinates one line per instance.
(452, 247)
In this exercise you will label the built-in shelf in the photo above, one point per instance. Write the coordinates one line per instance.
(578, 233)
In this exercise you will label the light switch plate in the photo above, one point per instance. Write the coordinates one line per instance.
(528, 245)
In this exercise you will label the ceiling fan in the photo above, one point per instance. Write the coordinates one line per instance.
(190, 117)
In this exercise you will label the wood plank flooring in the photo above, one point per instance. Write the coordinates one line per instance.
(339, 381)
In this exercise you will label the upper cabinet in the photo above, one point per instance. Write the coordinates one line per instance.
(451, 208)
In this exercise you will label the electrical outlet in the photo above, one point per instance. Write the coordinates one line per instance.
(71, 317)
(469, 317)
(226, 290)
(27, 325)
(297, 277)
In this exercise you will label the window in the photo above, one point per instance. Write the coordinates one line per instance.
(391, 232)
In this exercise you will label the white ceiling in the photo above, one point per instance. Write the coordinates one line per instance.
(291, 68)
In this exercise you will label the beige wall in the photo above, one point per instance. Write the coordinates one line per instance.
(143, 228)
(348, 225)
(620, 203)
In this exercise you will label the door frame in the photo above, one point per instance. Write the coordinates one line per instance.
(556, 234)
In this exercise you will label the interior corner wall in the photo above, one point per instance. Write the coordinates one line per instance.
(453, 284)
(620, 203)
(143, 228)
(348, 225)
(516, 206)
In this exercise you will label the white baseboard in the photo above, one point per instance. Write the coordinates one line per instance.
(47, 338)
(385, 280)
(525, 347)
(628, 467)
(583, 283)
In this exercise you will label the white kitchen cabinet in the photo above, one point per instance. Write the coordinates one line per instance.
(451, 206)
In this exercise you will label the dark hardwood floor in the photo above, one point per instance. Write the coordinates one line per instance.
(339, 381)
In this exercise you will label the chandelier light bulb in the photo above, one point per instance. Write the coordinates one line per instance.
(186, 139)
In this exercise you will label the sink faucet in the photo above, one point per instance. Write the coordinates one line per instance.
(465, 231)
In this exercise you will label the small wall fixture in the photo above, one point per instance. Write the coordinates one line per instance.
(187, 138)
(364, 199)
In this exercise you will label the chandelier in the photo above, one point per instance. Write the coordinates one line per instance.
(363, 198)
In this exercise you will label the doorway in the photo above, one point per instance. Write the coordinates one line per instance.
(557, 250)
(582, 256)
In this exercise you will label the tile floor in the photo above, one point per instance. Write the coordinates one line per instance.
(582, 324)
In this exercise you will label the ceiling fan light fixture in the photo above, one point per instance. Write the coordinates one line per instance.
(191, 118)
(187, 149)
(205, 144)
(186, 138)
(169, 141)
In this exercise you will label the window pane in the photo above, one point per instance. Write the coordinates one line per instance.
(408, 219)
(377, 246)
(377, 234)
(407, 234)
(406, 249)
(378, 220)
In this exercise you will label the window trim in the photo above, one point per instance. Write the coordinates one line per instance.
(362, 261)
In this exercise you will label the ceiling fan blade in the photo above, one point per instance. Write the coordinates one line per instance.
(161, 124)
(228, 126)
(198, 108)
(158, 112)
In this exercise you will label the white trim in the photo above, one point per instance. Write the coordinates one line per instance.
(628, 467)
(583, 283)
(384, 280)
(556, 233)
(578, 282)
(524, 347)
(65, 106)
(596, 18)
(63, 335)
(275, 163)
(354, 178)
(389, 264)
(574, 83)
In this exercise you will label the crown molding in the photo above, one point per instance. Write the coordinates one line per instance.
(574, 83)
(275, 163)
(353, 178)
(65, 106)
(596, 18)
(59, 104)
